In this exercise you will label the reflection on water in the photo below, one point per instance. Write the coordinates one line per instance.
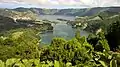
(61, 30)
(55, 17)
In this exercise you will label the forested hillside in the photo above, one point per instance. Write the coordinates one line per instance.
(72, 12)
(19, 15)
(96, 22)
(11, 19)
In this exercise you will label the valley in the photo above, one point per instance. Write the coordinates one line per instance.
(40, 37)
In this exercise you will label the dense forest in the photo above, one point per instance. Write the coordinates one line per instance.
(20, 44)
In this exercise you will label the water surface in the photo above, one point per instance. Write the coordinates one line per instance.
(61, 29)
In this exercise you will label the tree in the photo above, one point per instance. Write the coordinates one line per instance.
(113, 35)
(67, 51)
(20, 44)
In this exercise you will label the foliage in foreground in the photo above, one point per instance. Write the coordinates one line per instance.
(111, 61)
(80, 53)
(19, 44)
(76, 52)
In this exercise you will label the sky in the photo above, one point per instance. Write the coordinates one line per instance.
(58, 3)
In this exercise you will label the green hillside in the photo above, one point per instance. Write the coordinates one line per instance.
(11, 19)
(18, 15)
(72, 12)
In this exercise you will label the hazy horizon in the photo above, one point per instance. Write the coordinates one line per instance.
(52, 8)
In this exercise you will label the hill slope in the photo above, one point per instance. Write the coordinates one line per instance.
(72, 12)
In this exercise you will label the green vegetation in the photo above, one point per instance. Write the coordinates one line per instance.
(17, 14)
(20, 43)
(11, 19)
(95, 23)
(113, 32)
(20, 46)
(70, 12)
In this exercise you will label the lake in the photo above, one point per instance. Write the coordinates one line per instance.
(59, 30)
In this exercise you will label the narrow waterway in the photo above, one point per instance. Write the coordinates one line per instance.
(60, 30)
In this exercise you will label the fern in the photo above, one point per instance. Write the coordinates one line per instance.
(2, 64)
(103, 64)
(113, 63)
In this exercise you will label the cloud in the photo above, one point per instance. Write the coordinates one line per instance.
(67, 3)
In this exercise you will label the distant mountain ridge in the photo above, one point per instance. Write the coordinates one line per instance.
(72, 12)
